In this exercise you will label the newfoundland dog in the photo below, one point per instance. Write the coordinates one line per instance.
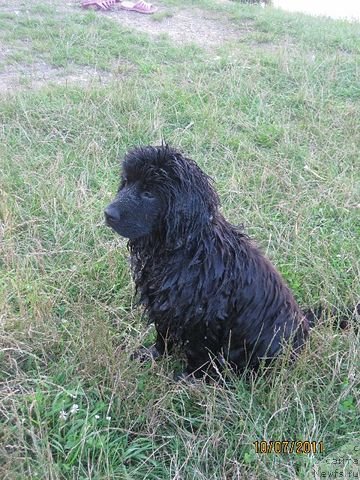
(203, 283)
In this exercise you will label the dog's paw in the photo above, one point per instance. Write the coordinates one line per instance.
(184, 377)
(145, 354)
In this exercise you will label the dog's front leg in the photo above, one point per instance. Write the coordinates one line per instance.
(198, 362)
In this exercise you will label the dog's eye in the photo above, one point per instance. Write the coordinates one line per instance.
(123, 183)
(147, 195)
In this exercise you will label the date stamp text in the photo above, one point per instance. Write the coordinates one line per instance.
(298, 447)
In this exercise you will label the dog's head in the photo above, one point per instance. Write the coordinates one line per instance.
(163, 193)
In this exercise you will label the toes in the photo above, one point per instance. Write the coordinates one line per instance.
(184, 377)
(144, 354)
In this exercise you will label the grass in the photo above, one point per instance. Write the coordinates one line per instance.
(274, 119)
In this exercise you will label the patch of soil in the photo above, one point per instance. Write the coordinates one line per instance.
(192, 25)
(22, 76)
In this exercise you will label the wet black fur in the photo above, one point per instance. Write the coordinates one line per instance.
(203, 282)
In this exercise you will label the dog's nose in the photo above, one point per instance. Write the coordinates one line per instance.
(111, 214)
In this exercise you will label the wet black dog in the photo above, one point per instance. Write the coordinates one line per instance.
(204, 284)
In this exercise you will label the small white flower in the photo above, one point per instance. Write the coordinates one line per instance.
(74, 409)
(108, 419)
(97, 417)
(63, 415)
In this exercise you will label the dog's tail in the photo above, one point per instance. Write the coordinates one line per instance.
(342, 318)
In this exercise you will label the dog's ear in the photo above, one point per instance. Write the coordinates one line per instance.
(192, 202)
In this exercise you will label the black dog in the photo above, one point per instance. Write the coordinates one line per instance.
(204, 284)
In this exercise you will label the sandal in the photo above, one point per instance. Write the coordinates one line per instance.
(99, 4)
(140, 7)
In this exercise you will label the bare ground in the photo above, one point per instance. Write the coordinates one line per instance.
(22, 76)
(193, 25)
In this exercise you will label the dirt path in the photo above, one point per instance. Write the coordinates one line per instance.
(192, 25)
(182, 25)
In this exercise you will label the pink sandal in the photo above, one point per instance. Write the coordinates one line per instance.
(140, 7)
(99, 4)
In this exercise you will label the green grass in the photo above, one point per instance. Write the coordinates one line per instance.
(274, 118)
